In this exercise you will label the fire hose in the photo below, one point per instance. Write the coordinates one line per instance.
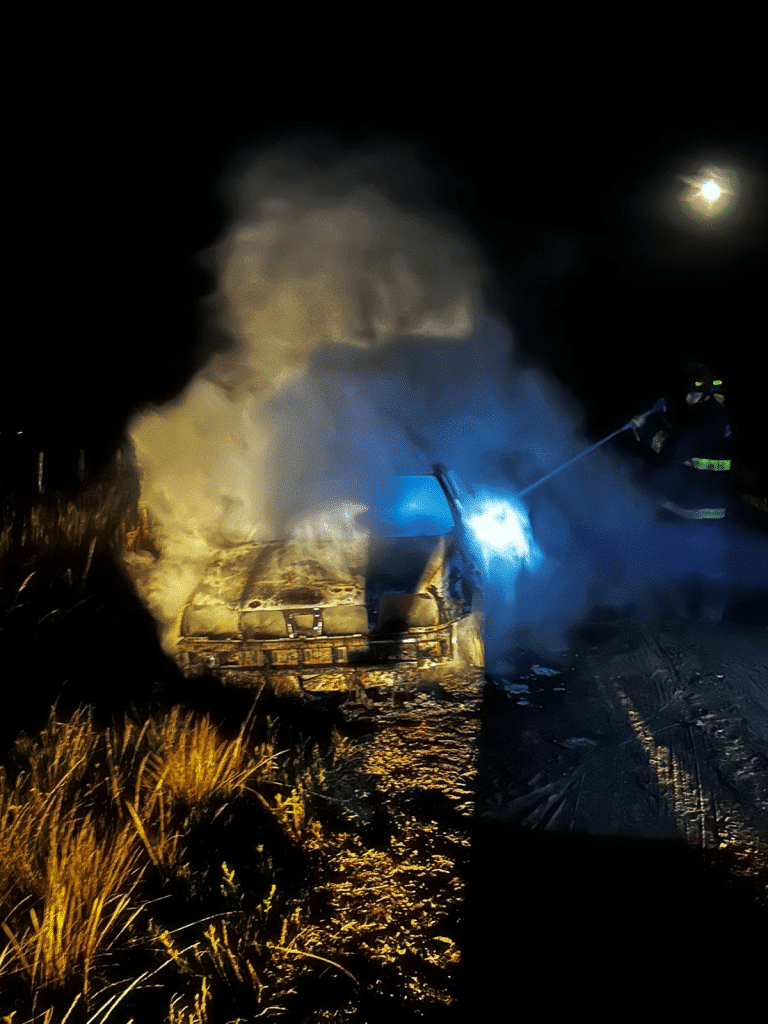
(451, 490)
(633, 424)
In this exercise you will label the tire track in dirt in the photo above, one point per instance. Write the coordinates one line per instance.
(689, 752)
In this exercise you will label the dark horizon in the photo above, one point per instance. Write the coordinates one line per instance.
(117, 196)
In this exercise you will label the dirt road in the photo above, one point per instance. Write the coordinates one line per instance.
(623, 815)
(644, 733)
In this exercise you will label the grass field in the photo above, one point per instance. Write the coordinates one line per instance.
(107, 839)
(114, 892)
(167, 855)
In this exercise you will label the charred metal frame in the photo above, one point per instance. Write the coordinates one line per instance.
(242, 661)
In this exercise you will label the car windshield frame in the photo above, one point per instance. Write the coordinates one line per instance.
(405, 505)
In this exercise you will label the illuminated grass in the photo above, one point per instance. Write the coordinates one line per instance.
(115, 903)
(181, 759)
(69, 522)
(75, 529)
(69, 874)
(91, 814)
(191, 762)
(95, 830)
(85, 884)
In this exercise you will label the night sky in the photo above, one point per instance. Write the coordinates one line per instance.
(568, 194)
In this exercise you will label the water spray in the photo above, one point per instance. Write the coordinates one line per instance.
(633, 424)
(500, 525)
(497, 526)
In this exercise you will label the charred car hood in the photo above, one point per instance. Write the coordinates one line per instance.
(288, 573)
(335, 608)
(249, 581)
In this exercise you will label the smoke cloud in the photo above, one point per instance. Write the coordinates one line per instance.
(324, 250)
(359, 346)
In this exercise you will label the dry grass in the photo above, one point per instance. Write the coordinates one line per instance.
(94, 830)
(84, 883)
(244, 955)
(89, 814)
(103, 829)
(6, 535)
(106, 515)
(182, 759)
(70, 873)
(94, 821)
(67, 522)
(193, 765)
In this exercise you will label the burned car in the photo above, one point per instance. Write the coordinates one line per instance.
(375, 588)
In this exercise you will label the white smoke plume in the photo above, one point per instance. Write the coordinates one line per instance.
(360, 347)
(324, 249)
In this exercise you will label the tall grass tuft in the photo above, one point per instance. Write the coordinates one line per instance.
(69, 873)
(193, 763)
(59, 758)
(86, 882)
(182, 761)
(109, 510)
(86, 812)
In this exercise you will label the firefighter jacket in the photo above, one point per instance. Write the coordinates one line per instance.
(691, 459)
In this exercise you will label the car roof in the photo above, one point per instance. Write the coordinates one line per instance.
(397, 505)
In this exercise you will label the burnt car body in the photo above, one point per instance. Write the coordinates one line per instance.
(339, 607)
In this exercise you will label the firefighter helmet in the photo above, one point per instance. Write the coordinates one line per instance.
(699, 383)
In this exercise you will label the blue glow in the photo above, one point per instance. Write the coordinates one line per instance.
(501, 529)
(396, 506)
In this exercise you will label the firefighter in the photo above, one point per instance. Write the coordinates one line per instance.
(691, 452)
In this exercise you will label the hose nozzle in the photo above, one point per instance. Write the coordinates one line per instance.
(640, 420)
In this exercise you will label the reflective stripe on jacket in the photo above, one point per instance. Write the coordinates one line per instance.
(713, 465)
(693, 513)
